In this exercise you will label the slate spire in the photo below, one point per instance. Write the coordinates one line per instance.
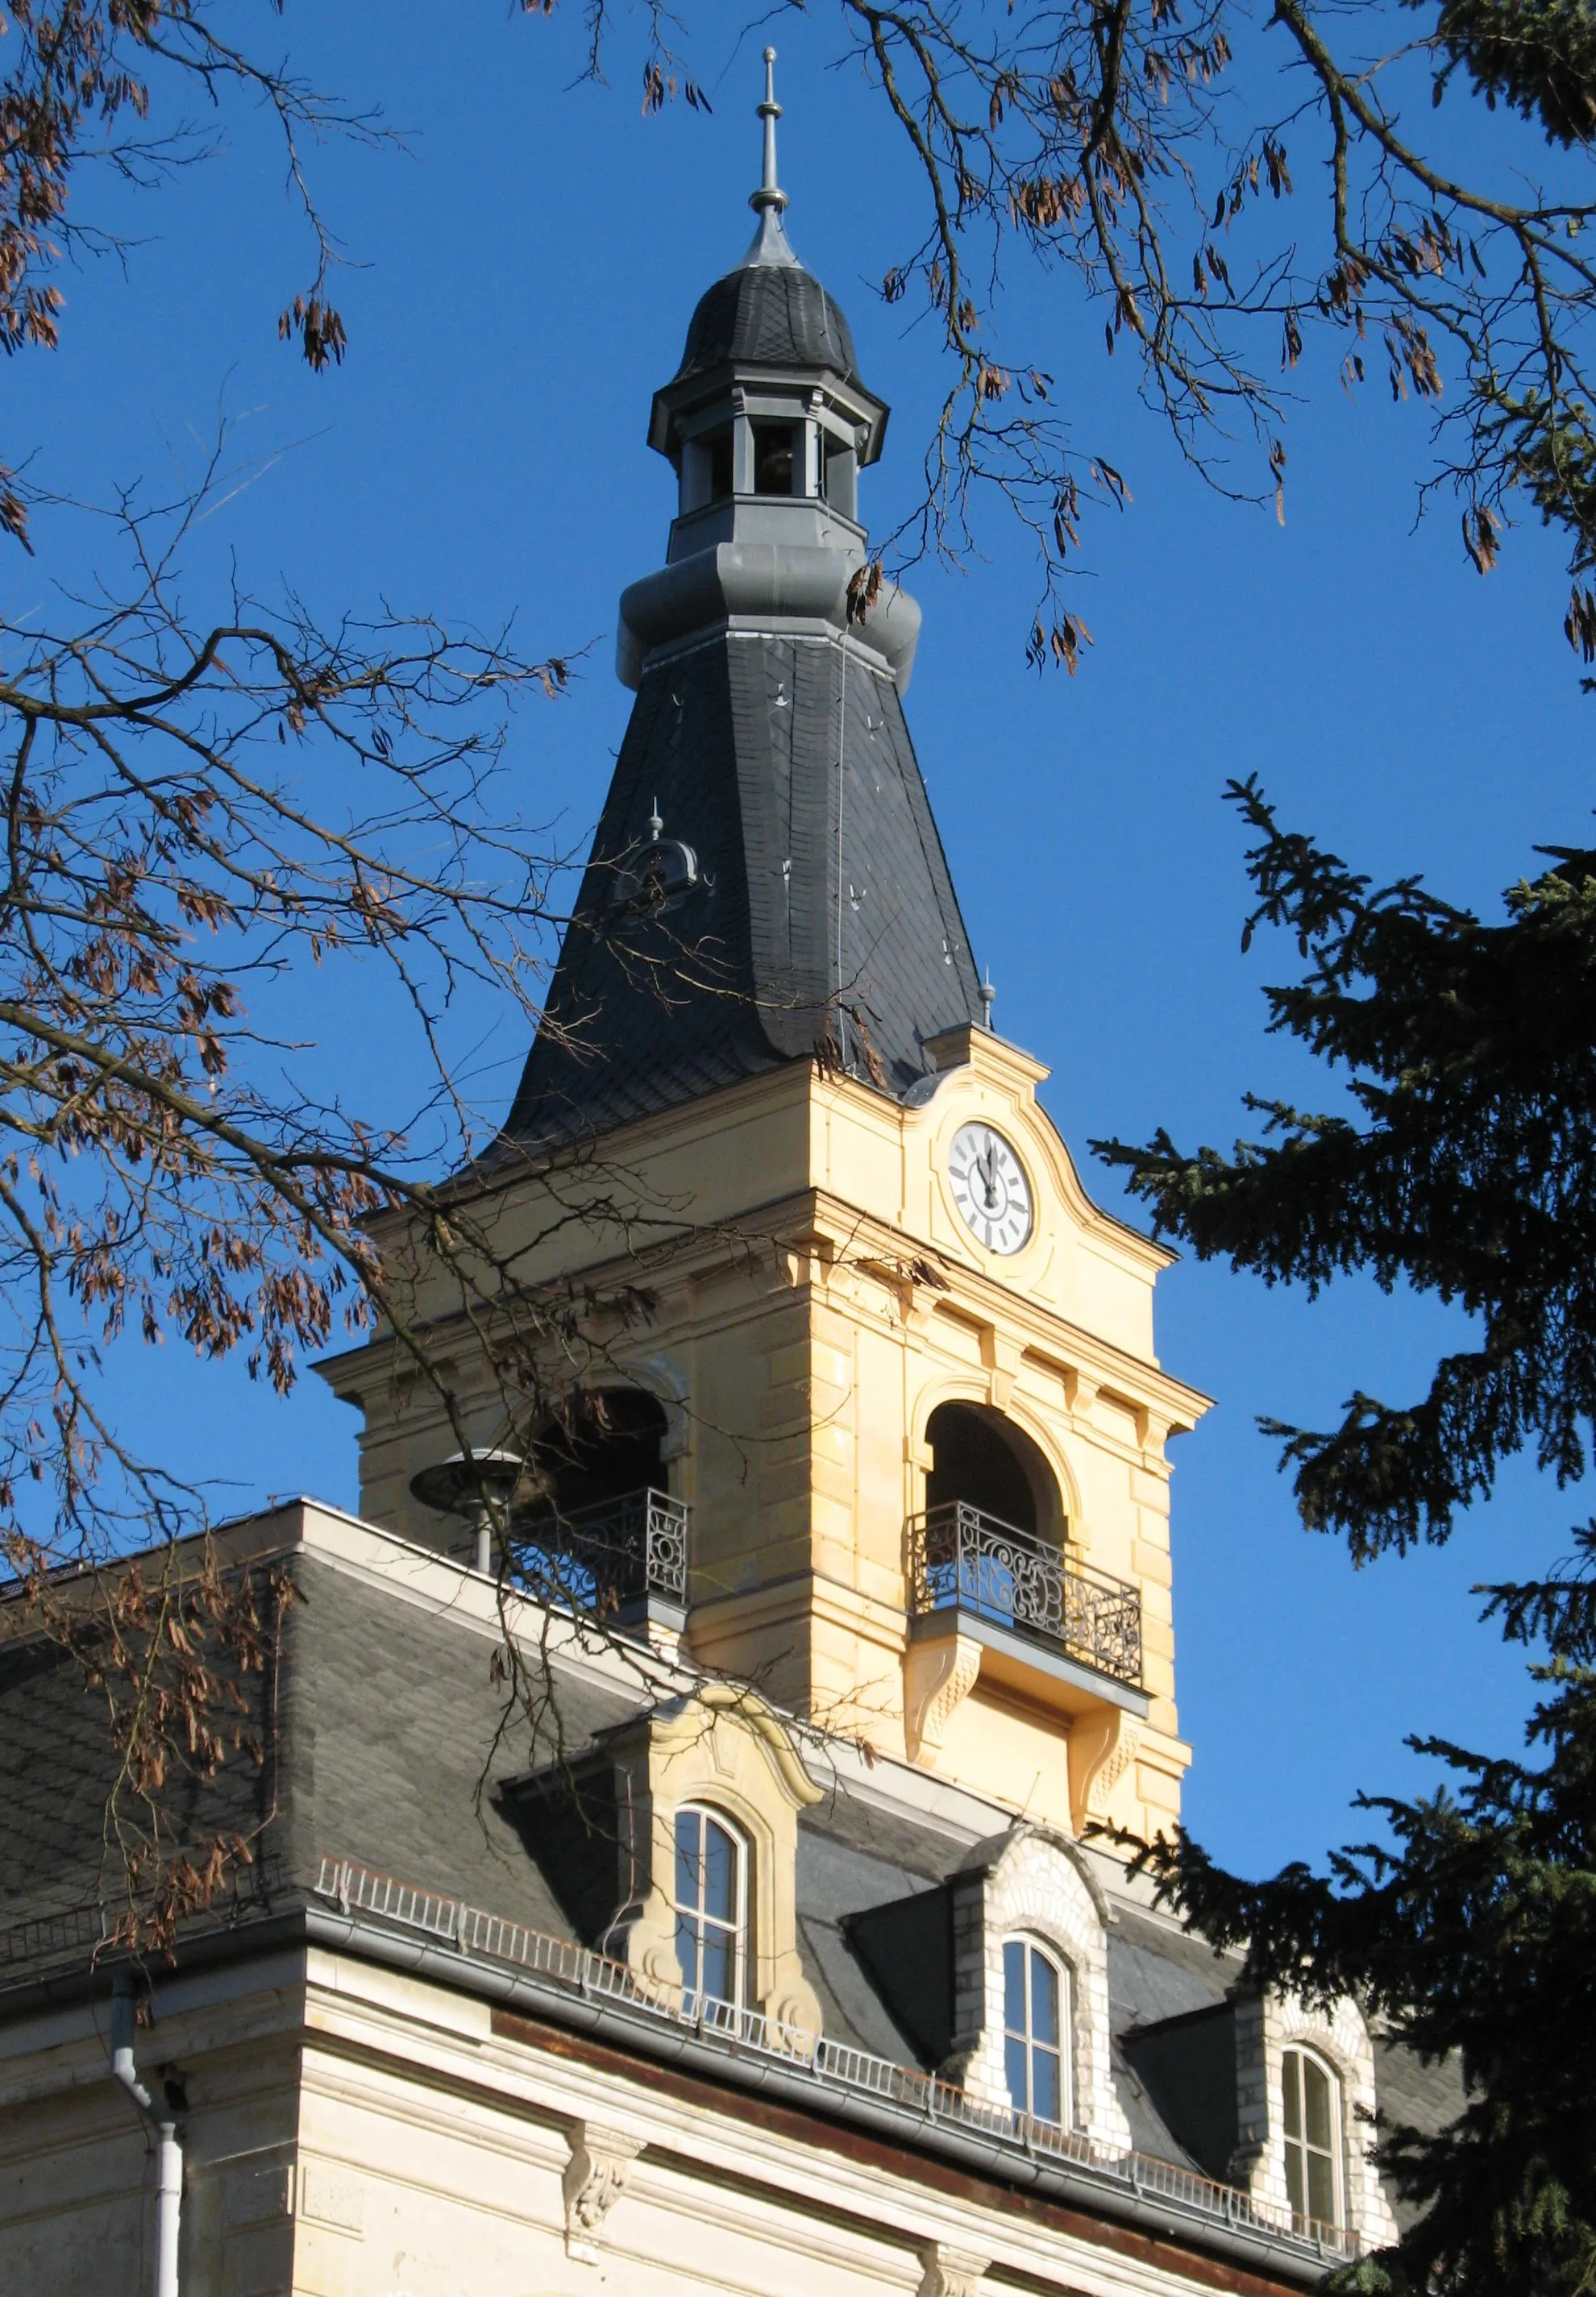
(767, 884)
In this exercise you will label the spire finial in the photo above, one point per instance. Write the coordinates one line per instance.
(989, 998)
(769, 193)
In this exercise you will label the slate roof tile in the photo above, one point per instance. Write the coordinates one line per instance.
(824, 907)
(768, 315)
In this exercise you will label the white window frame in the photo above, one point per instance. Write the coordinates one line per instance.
(1064, 2051)
(701, 1921)
(1294, 2057)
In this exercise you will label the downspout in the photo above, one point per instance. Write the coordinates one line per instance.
(168, 2151)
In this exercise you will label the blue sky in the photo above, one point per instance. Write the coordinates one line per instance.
(522, 275)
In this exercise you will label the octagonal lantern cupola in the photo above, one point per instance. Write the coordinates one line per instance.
(768, 425)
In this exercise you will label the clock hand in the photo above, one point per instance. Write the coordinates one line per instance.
(987, 1166)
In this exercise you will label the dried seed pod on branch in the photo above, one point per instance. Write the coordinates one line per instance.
(193, 808)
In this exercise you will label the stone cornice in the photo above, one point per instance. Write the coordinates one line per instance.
(838, 1235)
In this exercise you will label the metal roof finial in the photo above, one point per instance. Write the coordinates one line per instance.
(989, 998)
(769, 193)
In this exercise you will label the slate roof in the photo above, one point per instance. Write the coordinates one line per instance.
(54, 1775)
(737, 741)
(1424, 2096)
(399, 1793)
(385, 1745)
(768, 315)
(1175, 2051)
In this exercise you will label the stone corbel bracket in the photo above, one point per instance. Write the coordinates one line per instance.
(939, 1675)
(1102, 1746)
(948, 2272)
(594, 2181)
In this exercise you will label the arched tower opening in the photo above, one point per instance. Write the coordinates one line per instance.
(608, 1444)
(595, 1473)
(981, 1458)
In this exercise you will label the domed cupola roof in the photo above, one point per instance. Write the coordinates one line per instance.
(767, 326)
(768, 313)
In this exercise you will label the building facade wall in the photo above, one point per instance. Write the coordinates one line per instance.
(827, 1300)
(355, 2132)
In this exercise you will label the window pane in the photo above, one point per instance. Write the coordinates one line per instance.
(687, 1953)
(1295, 2189)
(719, 1872)
(689, 1826)
(774, 457)
(1291, 2077)
(1044, 1999)
(1321, 2188)
(1316, 2102)
(720, 1968)
(1013, 1987)
(1046, 2088)
(1014, 2069)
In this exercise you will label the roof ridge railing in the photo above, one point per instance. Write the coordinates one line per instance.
(354, 1888)
(104, 1923)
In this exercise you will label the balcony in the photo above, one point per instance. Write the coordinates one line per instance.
(1044, 1619)
(625, 1559)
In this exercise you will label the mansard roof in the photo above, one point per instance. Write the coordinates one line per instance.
(384, 1746)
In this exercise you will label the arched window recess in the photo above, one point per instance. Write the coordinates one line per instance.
(991, 1545)
(710, 1895)
(1038, 2024)
(598, 1527)
(1310, 2124)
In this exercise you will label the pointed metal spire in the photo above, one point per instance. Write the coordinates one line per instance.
(769, 193)
(770, 240)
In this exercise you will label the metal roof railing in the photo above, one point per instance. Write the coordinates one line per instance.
(836, 2066)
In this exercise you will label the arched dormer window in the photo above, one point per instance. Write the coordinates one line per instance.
(1311, 2125)
(711, 1908)
(1037, 2025)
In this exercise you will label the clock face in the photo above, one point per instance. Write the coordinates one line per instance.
(990, 1187)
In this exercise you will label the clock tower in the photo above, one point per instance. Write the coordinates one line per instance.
(863, 1385)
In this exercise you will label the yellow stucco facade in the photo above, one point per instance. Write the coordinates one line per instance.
(810, 1296)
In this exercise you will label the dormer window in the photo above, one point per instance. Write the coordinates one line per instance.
(775, 458)
(1036, 2027)
(1312, 2128)
(712, 1909)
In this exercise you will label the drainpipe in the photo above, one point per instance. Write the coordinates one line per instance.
(168, 2151)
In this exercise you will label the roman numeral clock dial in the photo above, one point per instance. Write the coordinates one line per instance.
(990, 1187)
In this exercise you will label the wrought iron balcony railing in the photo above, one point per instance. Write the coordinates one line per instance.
(601, 1556)
(961, 1558)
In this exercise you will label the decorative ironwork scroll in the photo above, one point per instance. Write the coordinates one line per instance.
(961, 1558)
(598, 1558)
